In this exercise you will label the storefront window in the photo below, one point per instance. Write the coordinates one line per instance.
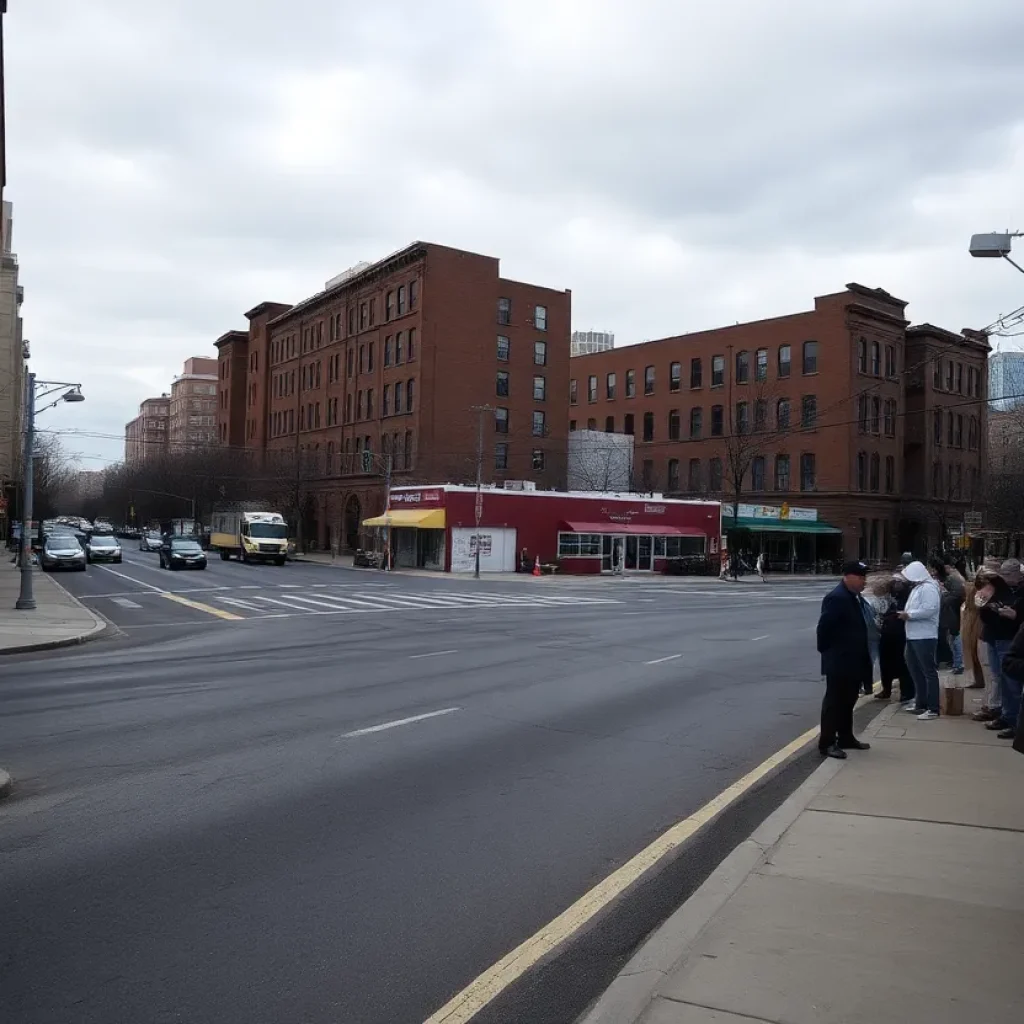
(573, 545)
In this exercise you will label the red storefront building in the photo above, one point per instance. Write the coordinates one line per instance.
(434, 527)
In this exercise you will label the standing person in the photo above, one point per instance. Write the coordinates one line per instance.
(1013, 668)
(872, 606)
(951, 589)
(1001, 607)
(921, 616)
(970, 636)
(842, 636)
(761, 566)
(892, 661)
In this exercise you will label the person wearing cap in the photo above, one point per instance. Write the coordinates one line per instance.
(921, 615)
(1000, 600)
(842, 636)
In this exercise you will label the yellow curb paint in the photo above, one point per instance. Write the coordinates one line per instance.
(200, 607)
(475, 996)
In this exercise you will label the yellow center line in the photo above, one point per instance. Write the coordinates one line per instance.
(200, 607)
(475, 996)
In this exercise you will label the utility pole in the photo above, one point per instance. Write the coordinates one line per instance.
(478, 509)
(26, 598)
(388, 464)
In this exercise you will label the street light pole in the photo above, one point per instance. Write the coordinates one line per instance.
(26, 598)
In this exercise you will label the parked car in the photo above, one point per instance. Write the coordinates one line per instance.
(102, 547)
(151, 541)
(62, 551)
(182, 553)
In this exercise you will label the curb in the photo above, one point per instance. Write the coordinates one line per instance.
(6, 783)
(629, 995)
(100, 626)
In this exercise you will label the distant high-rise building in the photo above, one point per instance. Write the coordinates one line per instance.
(585, 343)
(1006, 380)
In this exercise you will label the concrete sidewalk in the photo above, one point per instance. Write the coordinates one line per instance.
(889, 888)
(58, 620)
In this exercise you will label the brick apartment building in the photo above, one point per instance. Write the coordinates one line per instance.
(414, 357)
(193, 406)
(145, 437)
(823, 410)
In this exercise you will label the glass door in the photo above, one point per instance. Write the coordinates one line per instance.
(631, 553)
(645, 551)
(607, 553)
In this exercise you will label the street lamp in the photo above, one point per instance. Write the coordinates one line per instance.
(995, 245)
(71, 393)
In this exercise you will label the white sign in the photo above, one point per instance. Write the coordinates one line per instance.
(781, 512)
(655, 509)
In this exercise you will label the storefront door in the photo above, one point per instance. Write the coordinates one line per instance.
(639, 553)
(609, 546)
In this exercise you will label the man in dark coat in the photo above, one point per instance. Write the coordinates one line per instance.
(845, 660)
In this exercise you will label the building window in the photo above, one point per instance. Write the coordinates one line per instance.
(673, 425)
(717, 371)
(810, 357)
(592, 388)
(398, 398)
(937, 425)
(359, 405)
(757, 473)
(693, 482)
(937, 480)
(695, 423)
(647, 475)
(539, 427)
(959, 430)
(890, 474)
(385, 401)
(501, 456)
(592, 424)
(630, 383)
(876, 415)
(675, 376)
(648, 426)
(362, 358)
(574, 392)
(761, 364)
(760, 416)
(540, 389)
(890, 360)
(501, 384)
(369, 357)
(348, 408)
(949, 375)
(937, 374)
(609, 424)
(809, 412)
(540, 317)
(782, 414)
(807, 472)
(540, 353)
(696, 373)
(537, 459)
(369, 403)
(412, 345)
(742, 367)
(862, 471)
(972, 434)
(781, 472)
(742, 418)
(715, 474)
(716, 421)
(503, 349)
(572, 425)
(504, 311)
(785, 360)
(389, 305)
(609, 386)
(401, 300)
(410, 387)
(673, 475)
(862, 356)
(876, 359)
(364, 316)
(890, 417)
(649, 380)
(949, 429)
(414, 293)
(873, 485)
(627, 424)
(501, 420)
(351, 355)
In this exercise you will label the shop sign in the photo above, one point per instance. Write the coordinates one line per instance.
(780, 512)
(416, 497)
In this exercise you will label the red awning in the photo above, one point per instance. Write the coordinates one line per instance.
(650, 531)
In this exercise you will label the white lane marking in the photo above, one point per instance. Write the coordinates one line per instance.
(431, 654)
(247, 586)
(397, 722)
(765, 637)
(130, 579)
(658, 661)
(313, 601)
(237, 603)
(125, 603)
(290, 586)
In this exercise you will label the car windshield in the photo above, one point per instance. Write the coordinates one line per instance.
(62, 542)
(188, 547)
(103, 541)
(274, 531)
(153, 535)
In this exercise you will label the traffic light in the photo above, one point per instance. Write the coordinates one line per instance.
(367, 461)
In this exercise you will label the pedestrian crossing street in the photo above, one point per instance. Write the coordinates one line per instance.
(290, 599)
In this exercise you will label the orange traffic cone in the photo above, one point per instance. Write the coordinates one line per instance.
(536, 566)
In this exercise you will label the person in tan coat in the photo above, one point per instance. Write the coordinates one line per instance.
(970, 633)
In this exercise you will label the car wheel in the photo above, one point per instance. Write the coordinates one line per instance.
(117, 561)
(225, 555)
(279, 561)
(80, 568)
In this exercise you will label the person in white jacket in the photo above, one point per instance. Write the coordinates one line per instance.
(921, 615)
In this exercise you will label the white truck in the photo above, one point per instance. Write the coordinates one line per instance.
(251, 536)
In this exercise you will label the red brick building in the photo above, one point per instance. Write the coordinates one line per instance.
(809, 410)
(414, 359)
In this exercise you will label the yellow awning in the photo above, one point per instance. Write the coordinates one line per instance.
(418, 518)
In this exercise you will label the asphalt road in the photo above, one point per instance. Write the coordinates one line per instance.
(349, 798)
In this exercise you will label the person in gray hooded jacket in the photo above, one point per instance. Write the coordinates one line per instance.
(921, 614)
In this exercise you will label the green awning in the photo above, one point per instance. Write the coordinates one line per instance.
(778, 525)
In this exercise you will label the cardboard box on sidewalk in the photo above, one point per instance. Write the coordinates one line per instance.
(951, 694)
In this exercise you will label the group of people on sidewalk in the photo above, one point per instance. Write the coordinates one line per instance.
(908, 623)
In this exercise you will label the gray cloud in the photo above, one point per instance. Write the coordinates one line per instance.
(679, 166)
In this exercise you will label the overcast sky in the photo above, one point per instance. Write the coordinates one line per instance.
(678, 164)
